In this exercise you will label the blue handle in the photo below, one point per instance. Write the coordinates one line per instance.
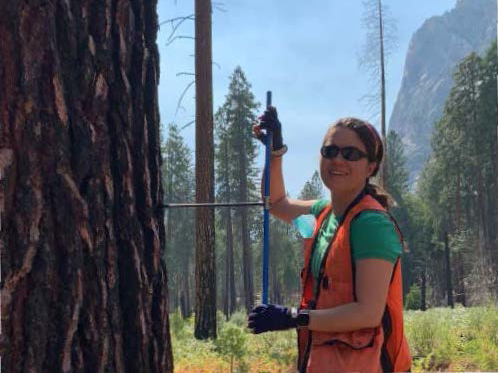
(266, 216)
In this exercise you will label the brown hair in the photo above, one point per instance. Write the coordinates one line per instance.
(375, 153)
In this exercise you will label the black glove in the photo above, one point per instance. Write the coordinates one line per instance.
(268, 317)
(269, 121)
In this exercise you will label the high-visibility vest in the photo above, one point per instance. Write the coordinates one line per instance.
(382, 348)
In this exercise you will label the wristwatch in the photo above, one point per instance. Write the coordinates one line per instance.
(302, 317)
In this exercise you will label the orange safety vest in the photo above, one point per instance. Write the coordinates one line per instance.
(383, 348)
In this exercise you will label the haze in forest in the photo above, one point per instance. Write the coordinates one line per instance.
(306, 53)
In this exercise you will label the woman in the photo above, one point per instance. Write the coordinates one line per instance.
(351, 312)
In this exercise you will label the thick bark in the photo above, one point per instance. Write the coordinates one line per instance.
(84, 287)
(205, 275)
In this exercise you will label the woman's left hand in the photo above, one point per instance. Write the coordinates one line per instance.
(268, 317)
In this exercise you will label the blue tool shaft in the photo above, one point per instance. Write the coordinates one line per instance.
(266, 216)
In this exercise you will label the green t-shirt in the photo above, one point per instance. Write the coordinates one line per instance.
(373, 235)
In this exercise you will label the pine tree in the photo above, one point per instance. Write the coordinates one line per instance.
(224, 187)
(459, 182)
(84, 284)
(239, 113)
(179, 187)
(313, 189)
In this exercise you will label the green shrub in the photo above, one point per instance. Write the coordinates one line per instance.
(413, 299)
(239, 318)
(231, 343)
(454, 339)
(177, 324)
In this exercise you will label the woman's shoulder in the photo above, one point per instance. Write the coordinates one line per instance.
(373, 217)
(374, 234)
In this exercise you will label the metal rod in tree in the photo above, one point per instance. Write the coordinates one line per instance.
(266, 214)
(217, 204)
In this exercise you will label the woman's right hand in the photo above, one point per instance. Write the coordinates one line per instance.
(269, 122)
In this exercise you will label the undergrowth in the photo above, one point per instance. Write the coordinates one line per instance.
(440, 339)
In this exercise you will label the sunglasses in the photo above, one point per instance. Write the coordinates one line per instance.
(349, 153)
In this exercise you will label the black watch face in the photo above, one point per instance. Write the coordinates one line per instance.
(303, 319)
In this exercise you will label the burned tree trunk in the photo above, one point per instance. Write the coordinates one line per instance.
(84, 287)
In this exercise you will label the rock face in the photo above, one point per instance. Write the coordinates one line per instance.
(435, 50)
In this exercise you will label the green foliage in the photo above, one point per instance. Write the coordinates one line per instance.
(231, 343)
(414, 298)
(397, 176)
(313, 189)
(456, 340)
(440, 339)
(178, 185)
(235, 154)
(456, 193)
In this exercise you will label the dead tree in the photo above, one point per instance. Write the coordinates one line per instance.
(84, 287)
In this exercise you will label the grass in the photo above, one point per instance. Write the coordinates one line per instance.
(440, 339)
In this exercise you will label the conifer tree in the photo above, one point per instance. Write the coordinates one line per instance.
(239, 113)
(178, 181)
(313, 189)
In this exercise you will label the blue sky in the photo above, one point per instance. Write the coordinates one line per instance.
(305, 52)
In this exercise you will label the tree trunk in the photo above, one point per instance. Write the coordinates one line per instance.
(84, 285)
(461, 280)
(186, 307)
(205, 275)
(384, 170)
(246, 246)
(229, 271)
(229, 299)
(449, 286)
(423, 291)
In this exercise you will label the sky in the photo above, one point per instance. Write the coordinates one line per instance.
(305, 52)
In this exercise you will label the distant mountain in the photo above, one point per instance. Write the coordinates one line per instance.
(434, 51)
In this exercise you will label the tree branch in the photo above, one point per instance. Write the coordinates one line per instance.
(183, 94)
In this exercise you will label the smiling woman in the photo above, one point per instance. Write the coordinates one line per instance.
(351, 313)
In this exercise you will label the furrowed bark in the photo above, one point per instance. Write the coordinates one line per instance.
(205, 277)
(84, 287)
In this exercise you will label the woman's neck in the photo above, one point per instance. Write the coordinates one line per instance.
(340, 202)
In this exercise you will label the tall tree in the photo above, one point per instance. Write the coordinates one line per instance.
(313, 188)
(225, 192)
(459, 180)
(178, 184)
(241, 108)
(84, 284)
(236, 170)
(205, 272)
(380, 42)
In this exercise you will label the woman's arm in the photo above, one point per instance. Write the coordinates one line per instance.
(373, 277)
(282, 207)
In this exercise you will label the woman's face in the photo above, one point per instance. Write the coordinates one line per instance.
(340, 175)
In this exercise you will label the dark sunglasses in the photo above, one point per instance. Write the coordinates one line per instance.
(349, 153)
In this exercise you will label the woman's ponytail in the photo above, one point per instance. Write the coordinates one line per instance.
(377, 192)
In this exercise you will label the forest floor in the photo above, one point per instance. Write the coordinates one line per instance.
(440, 339)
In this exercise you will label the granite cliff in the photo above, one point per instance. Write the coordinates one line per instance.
(435, 50)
